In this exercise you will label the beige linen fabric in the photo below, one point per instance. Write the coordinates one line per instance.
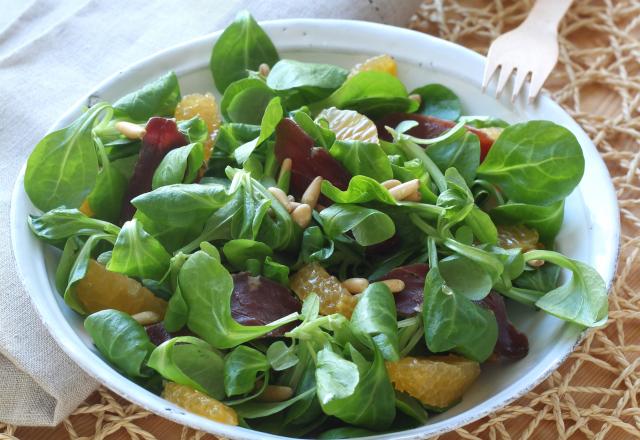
(51, 55)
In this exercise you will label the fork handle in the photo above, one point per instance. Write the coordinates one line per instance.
(547, 13)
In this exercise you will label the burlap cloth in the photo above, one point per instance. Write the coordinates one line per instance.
(594, 394)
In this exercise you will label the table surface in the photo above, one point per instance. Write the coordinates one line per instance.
(602, 107)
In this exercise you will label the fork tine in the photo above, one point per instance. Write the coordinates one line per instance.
(505, 73)
(521, 75)
(537, 80)
(489, 69)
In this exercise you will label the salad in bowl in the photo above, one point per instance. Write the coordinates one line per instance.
(319, 252)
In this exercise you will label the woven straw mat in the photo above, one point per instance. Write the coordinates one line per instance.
(594, 394)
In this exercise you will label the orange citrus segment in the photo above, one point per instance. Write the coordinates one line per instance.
(437, 381)
(334, 297)
(380, 63)
(206, 108)
(101, 289)
(518, 236)
(85, 208)
(199, 403)
(349, 125)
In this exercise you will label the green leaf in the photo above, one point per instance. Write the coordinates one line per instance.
(181, 204)
(370, 93)
(460, 151)
(345, 432)
(547, 220)
(489, 262)
(310, 307)
(481, 225)
(362, 398)
(465, 277)
(105, 200)
(362, 189)
(453, 322)
(70, 252)
(483, 121)
(158, 98)
(206, 287)
(138, 254)
(270, 120)
(363, 158)
(281, 357)
(255, 410)
(180, 165)
(321, 136)
(536, 162)
(240, 250)
(375, 315)
(315, 247)
(63, 167)
(242, 47)
(581, 300)
(60, 224)
(241, 369)
(245, 101)
(177, 313)
(275, 271)
(368, 226)
(301, 82)
(194, 129)
(121, 340)
(542, 279)
(439, 101)
(190, 361)
(411, 407)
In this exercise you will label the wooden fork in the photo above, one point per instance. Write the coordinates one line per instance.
(529, 49)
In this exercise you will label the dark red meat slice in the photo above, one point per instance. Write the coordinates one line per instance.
(409, 301)
(511, 344)
(428, 127)
(158, 333)
(161, 137)
(259, 301)
(307, 160)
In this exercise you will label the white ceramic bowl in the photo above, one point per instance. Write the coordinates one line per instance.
(590, 231)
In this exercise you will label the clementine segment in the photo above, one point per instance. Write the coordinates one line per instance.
(206, 108)
(199, 403)
(101, 289)
(334, 297)
(437, 381)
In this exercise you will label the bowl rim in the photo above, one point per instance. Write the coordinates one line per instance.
(127, 389)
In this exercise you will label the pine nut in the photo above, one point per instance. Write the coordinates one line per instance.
(302, 215)
(391, 183)
(264, 69)
(355, 285)
(414, 197)
(416, 97)
(394, 285)
(312, 193)
(405, 189)
(290, 198)
(130, 130)
(147, 318)
(293, 205)
(535, 263)
(279, 195)
(276, 393)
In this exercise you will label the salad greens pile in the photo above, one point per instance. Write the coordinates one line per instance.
(204, 233)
